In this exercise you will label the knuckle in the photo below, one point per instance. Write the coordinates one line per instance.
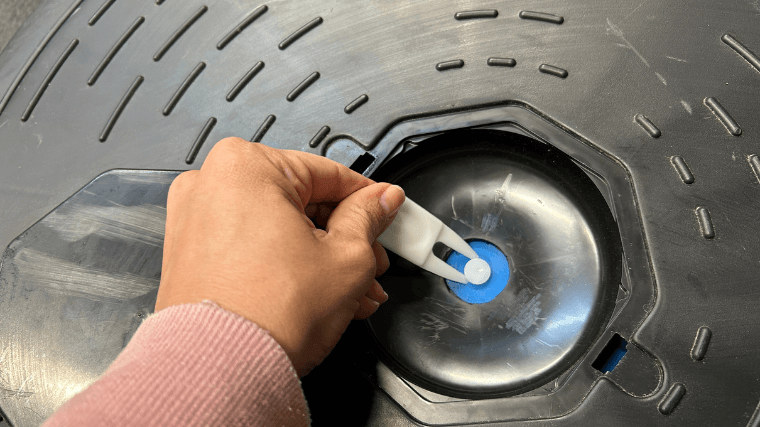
(225, 147)
(359, 253)
(231, 143)
(181, 186)
(238, 163)
(228, 154)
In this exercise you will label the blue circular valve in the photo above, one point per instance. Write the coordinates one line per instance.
(479, 294)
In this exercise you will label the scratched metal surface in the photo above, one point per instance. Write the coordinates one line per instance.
(75, 287)
(640, 81)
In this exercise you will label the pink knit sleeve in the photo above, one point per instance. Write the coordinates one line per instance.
(193, 365)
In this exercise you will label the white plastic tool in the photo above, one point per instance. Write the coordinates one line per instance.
(413, 234)
(477, 271)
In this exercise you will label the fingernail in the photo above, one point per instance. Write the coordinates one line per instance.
(374, 303)
(392, 199)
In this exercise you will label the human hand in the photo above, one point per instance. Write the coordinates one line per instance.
(238, 234)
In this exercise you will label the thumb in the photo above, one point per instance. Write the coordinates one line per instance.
(366, 213)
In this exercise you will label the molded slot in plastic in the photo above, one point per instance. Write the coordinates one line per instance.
(611, 354)
(362, 163)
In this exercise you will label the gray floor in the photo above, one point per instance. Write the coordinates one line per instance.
(13, 13)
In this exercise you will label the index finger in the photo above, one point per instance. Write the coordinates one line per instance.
(322, 179)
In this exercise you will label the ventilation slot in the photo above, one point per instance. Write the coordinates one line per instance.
(362, 163)
(610, 356)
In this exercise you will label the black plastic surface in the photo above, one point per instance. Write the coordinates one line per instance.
(540, 210)
(645, 83)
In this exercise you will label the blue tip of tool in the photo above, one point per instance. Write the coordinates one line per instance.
(479, 294)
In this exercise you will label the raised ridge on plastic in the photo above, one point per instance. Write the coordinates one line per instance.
(120, 108)
(298, 90)
(319, 136)
(540, 16)
(183, 88)
(723, 116)
(554, 71)
(754, 420)
(501, 62)
(742, 50)
(647, 125)
(356, 103)
(254, 15)
(262, 130)
(36, 53)
(48, 78)
(476, 14)
(671, 399)
(239, 86)
(683, 169)
(289, 40)
(754, 163)
(196, 148)
(178, 33)
(100, 12)
(705, 222)
(114, 50)
(701, 342)
(449, 65)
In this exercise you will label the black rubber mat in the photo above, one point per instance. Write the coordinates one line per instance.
(666, 91)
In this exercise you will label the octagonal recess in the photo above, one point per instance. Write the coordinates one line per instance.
(541, 210)
(561, 387)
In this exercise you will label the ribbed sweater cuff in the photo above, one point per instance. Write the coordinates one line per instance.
(193, 365)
